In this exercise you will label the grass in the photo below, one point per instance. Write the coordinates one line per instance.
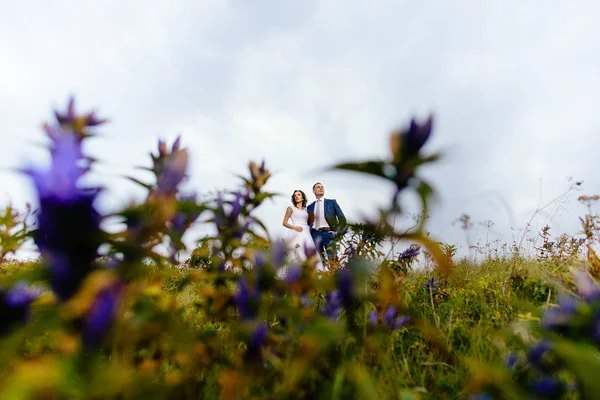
(466, 318)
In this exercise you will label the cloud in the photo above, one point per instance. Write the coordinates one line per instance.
(307, 84)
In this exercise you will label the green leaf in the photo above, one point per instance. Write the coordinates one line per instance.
(146, 185)
(338, 381)
(584, 361)
(364, 383)
(376, 168)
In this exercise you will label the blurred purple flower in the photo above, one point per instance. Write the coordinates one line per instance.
(293, 274)
(481, 396)
(257, 339)
(400, 322)
(557, 318)
(227, 216)
(333, 305)
(68, 233)
(277, 253)
(547, 387)
(411, 252)
(306, 301)
(70, 116)
(100, 317)
(587, 288)
(172, 173)
(388, 316)
(346, 287)
(432, 283)
(14, 305)
(416, 136)
(247, 299)
(373, 318)
(536, 353)
(511, 360)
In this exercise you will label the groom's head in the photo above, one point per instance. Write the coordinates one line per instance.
(318, 190)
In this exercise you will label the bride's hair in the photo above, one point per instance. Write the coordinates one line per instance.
(304, 198)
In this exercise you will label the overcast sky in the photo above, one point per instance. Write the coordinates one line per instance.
(514, 87)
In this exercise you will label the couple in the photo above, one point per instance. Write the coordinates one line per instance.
(315, 225)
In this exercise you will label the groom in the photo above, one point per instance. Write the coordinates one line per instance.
(326, 219)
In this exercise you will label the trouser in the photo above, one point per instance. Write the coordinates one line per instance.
(325, 244)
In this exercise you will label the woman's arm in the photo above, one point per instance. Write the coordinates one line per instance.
(286, 217)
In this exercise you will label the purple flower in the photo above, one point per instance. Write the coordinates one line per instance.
(100, 317)
(257, 339)
(587, 288)
(388, 316)
(481, 396)
(14, 305)
(306, 301)
(432, 283)
(536, 353)
(346, 287)
(172, 172)
(247, 299)
(547, 387)
(511, 360)
(293, 274)
(411, 252)
(557, 319)
(227, 219)
(70, 117)
(61, 180)
(373, 318)
(68, 233)
(400, 322)
(333, 305)
(416, 136)
(277, 253)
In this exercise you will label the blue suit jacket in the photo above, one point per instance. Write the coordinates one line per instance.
(333, 214)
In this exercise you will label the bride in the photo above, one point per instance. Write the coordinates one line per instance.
(299, 237)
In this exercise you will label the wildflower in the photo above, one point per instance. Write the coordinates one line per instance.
(293, 274)
(557, 319)
(432, 283)
(260, 175)
(481, 396)
(14, 305)
(172, 172)
(346, 288)
(389, 315)
(409, 253)
(536, 355)
(247, 299)
(547, 387)
(68, 233)
(511, 360)
(306, 301)
(333, 305)
(587, 288)
(101, 315)
(257, 339)
(414, 138)
(373, 318)
(391, 319)
(74, 121)
(227, 219)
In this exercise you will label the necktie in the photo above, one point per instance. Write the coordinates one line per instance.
(318, 214)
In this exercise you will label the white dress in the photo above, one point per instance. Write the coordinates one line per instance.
(296, 241)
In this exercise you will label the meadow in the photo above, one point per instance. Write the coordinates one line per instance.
(239, 319)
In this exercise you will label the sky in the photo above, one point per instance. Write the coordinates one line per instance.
(512, 85)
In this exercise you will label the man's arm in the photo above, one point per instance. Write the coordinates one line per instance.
(340, 214)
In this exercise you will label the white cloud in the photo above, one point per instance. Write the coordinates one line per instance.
(513, 87)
